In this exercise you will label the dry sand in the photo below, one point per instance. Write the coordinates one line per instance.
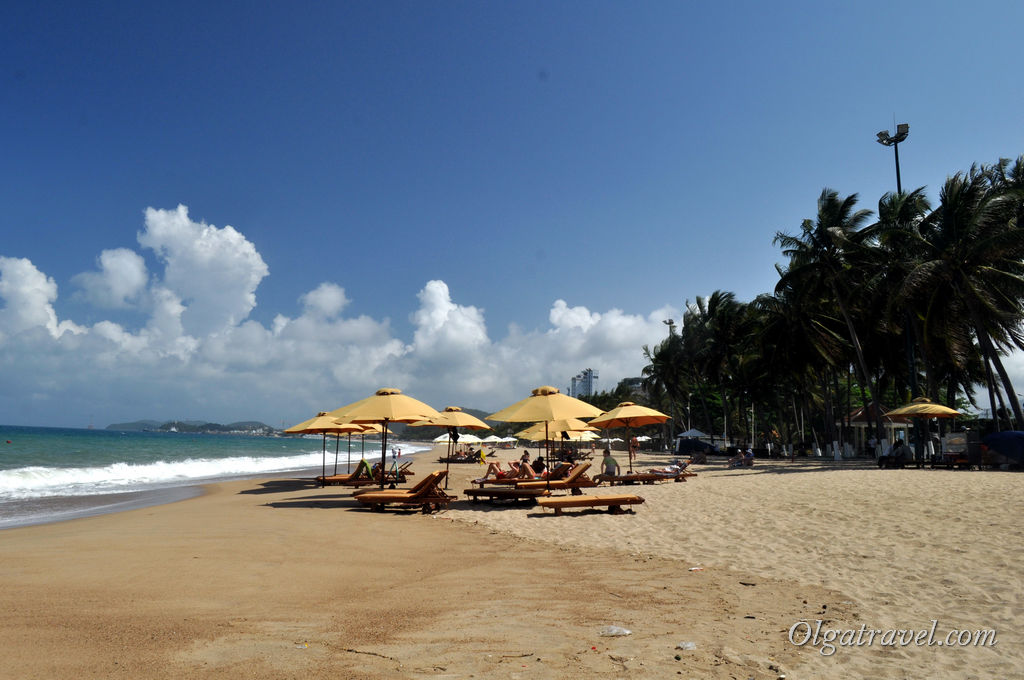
(280, 579)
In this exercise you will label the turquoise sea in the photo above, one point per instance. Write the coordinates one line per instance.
(49, 474)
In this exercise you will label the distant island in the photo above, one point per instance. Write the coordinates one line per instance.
(194, 427)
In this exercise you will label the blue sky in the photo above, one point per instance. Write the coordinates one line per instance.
(621, 158)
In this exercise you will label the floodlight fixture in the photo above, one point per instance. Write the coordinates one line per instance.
(902, 130)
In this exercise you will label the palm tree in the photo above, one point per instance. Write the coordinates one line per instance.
(819, 262)
(972, 261)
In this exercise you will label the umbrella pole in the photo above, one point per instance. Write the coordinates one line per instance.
(448, 462)
(337, 443)
(383, 452)
(547, 446)
(323, 461)
(348, 465)
(629, 448)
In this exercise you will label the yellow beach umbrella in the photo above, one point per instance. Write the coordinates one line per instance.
(453, 417)
(545, 404)
(323, 423)
(369, 428)
(387, 405)
(539, 431)
(629, 415)
(923, 407)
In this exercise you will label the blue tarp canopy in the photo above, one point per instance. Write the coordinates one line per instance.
(688, 445)
(1009, 444)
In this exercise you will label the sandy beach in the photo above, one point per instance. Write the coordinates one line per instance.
(278, 578)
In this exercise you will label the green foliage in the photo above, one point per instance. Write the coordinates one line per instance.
(917, 303)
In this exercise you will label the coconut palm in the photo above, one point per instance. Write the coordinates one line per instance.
(972, 262)
(819, 262)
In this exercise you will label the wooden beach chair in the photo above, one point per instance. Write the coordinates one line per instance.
(559, 472)
(629, 478)
(395, 476)
(577, 479)
(613, 503)
(362, 475)
(644, 477)
(505, 493)
(427, 495)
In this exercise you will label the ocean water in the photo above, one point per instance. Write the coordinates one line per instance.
(48, 474)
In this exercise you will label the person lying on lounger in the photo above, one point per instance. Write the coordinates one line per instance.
(672, 470)
(494, 471)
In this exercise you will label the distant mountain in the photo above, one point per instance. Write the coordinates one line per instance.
(136, 426)
(246, 426)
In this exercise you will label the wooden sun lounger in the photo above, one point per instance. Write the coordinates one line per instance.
(427, 494)
(361, 476)
(644, 478)
(577, 479)
(614, 503)
(508, 494)
(558, 472)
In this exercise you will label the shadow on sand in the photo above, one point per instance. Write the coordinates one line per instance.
(282, 486)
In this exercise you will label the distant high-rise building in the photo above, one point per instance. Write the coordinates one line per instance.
(635, 386)
(584, 384)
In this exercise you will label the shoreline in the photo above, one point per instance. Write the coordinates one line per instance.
(276, 577)
(39, 510)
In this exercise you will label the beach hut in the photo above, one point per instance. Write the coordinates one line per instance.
(862, 422)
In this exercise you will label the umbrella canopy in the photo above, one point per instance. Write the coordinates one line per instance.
(386, 405)
(373, 428)
(545, 404)
(323, 423)
(692, 432)
(454, 417)
(320, 423)
(629, 415)
(538, 433)
(923, 407)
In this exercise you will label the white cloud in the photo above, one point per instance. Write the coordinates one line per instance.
(328, 299)
(28, 297)
(563, 316)
(120, 280)
(443, 328)
(196, 353)
(214, 272)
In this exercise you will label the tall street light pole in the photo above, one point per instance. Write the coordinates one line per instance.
(902, 130)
